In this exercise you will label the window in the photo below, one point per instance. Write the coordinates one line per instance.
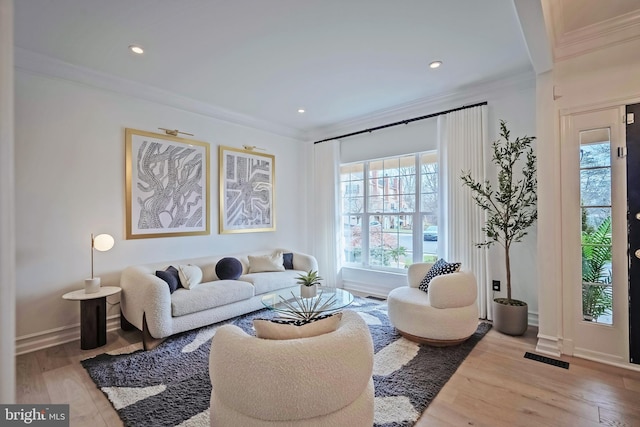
(595, 200)
(389, 211)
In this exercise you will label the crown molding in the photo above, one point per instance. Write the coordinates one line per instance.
(596, 36)
(530, 14)
(465, 96)
(47, 66)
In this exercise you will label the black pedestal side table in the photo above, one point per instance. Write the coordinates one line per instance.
(93, 315)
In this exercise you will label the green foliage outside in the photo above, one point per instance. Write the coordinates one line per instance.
(596, 257)
(384, 255)
(396, 253)
(429, 258)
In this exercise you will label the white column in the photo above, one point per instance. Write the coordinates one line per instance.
(549, 219)
(7, 206)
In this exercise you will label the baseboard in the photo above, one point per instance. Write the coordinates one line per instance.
(532, 319)
(57, 336)
(548, 345)
(604, 358)
(364, 290)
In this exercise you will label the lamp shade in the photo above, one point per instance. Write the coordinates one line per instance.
(103, 242)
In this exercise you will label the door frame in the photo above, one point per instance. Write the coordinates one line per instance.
(609, 344)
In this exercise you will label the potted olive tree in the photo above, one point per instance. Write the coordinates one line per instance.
(511, 209)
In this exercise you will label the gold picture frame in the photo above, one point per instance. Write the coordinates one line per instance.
(247, 191)
(167, 186)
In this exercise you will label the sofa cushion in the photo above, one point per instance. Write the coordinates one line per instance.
(190, 276)
(228, 268)
(171, 276)
(286, 329)
(287, 260)
(260, 263)
(271, 281)
(209, 295)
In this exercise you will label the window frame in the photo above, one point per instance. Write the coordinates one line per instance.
(367, 214)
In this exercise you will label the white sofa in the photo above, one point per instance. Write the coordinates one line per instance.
(321, 381)
(446, 315)
(147, 304)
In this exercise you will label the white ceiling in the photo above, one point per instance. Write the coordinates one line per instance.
(339, 59)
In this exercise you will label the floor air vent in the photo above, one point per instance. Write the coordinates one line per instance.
(547, 360)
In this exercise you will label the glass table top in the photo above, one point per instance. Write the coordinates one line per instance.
(326, 301)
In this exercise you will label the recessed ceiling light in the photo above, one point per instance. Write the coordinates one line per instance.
(300, 110)
(435, 64)
(136, 49)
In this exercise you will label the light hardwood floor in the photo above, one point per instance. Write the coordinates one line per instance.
(495, 386)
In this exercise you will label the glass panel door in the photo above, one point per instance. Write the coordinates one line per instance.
(594, 236)
(595, 222)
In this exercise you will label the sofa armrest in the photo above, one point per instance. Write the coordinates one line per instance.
(453, 290)
(304, 262)
(416, 273)
(144, 293)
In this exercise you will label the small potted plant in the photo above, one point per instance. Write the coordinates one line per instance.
(309, 283)
(511, 209)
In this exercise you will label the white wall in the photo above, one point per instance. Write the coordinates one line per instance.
(517, 105)
(393, 141)
(7, 212)
(70, 183)
(518, 108)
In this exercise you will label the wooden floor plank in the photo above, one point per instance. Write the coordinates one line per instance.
(631, 383)
(30, 385)
(66, 385)
(495, 386)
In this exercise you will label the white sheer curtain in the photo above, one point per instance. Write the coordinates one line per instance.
(326, 219)
(462, 138)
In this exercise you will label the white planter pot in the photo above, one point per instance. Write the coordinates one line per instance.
(308, 291)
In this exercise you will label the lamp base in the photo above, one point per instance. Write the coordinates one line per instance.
(91, 286)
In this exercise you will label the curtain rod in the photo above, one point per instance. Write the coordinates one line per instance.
(402, 122)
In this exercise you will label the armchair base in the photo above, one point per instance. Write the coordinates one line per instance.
(432, 342)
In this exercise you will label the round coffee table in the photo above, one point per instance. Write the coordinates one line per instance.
(327, 300)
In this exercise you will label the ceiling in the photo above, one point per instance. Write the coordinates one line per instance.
(340, 60)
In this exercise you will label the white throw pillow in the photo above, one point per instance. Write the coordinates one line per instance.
(277, 329)
(258, 263)
(190, 276)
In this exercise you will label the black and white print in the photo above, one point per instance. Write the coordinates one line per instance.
(167, 185)
(247, 190)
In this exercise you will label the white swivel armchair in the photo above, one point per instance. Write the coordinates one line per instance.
(321, 381)
(446, 315)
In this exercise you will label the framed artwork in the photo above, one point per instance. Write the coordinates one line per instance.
(167, 186)
(247, 183)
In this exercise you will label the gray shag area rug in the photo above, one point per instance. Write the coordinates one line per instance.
(169, 386)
